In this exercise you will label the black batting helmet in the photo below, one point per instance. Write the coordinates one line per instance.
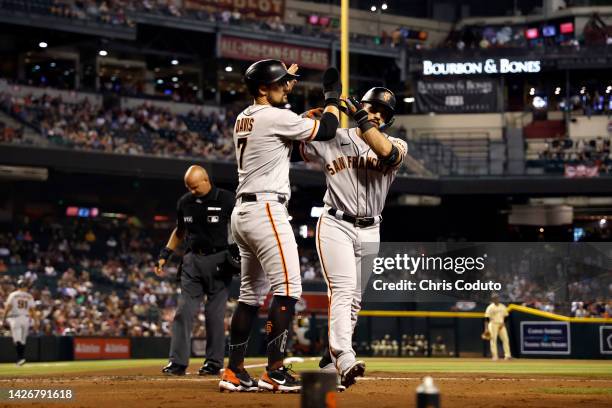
(21, 283)
(384, 97)
(266, 72)
(381, 96)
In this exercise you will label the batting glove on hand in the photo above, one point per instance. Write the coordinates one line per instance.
(355, 110)
(332, 87)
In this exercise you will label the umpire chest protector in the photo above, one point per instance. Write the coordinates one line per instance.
(204, 219)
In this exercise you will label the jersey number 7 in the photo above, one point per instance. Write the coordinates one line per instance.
(242, 142)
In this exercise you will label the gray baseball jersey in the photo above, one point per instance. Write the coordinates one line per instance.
(21, 303)
(262, 137)
(357, 182)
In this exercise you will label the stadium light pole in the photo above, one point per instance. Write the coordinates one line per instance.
(344, 54)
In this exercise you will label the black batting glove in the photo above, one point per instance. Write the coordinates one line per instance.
(358, 113)
(332, 87)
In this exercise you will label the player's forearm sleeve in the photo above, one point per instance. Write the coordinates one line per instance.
(327, 127)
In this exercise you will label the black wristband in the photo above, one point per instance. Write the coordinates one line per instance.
(332, 98)
(165, 253)
(365, 126)
(361, 117)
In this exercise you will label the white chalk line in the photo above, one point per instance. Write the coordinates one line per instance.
(486, 379)
(199, 379)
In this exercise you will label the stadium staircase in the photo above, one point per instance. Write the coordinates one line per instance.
(30, 135)
(461, 153)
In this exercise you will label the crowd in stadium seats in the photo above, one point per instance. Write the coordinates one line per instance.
(592, 309)
(88, 279)
(116, 12)
(581, 150)
(106, 11)
(144, 129)
(96, 278)
(593, 153)
(9, 134)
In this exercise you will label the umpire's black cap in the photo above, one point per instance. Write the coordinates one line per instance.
(266, 72)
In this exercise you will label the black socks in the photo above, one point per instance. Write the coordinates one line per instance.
(242, 323)
(280, 317)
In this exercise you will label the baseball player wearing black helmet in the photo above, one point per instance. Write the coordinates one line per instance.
(263, 137)
(360, 165)
(383, 100)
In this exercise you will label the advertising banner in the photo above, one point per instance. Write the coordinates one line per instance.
(264, 8)
(605, 339)
(253, 50)
(456, 95)
(545, 338)
(94, 348)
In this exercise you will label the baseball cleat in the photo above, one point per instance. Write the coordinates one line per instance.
(174, 369)
(236, 382)
(21, 362)
(209, 369)
(356, 370)
(279, 380)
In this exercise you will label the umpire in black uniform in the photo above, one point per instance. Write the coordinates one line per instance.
(202, 222)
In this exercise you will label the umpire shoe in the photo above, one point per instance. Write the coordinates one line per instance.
(356, 370)
(209, 368)
(239, 381)
(279, 380)
(174, 369)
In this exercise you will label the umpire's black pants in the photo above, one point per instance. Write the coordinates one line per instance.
(201, 275)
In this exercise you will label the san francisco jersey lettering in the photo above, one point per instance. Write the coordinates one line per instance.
(357, 181)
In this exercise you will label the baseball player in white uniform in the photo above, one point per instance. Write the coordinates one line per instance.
(359, 164)
(495, 319)
(263, 137)
(18, 310)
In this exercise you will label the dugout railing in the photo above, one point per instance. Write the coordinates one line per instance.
(532, 332)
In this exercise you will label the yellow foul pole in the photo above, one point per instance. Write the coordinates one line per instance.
(344, 54)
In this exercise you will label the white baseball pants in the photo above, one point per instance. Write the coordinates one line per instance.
(19, 328)
(268, 250)
(499, 330)
(340, 248)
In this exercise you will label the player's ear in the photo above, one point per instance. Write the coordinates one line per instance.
(262, 90)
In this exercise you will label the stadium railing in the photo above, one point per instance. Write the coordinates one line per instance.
(460, 331)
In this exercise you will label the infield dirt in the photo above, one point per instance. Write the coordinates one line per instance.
(145, 387)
